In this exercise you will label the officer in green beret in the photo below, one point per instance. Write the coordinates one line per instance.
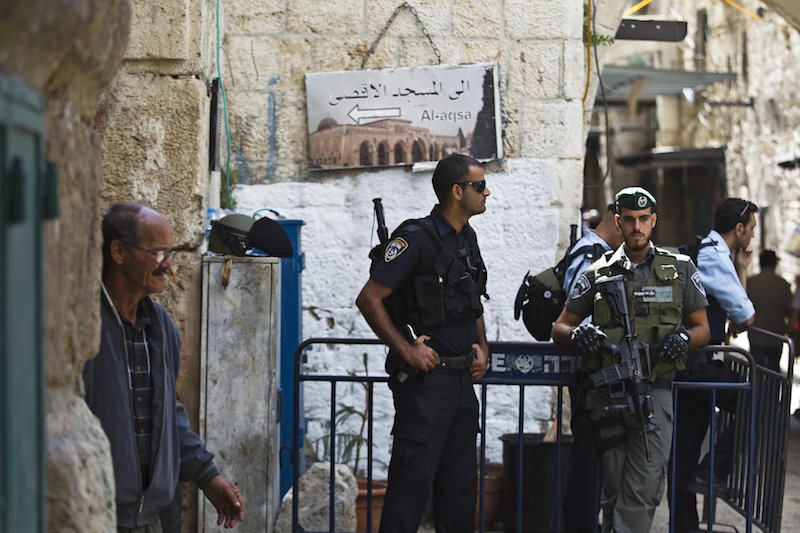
(663, 292)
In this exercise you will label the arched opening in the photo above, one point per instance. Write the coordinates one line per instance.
(365, 154)
(399, 153)
(417, 152)
(383, 154)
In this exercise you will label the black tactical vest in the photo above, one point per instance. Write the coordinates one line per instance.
(446, 284)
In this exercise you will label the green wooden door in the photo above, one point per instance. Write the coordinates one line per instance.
(23, 205)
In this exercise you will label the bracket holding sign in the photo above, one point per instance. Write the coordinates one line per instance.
(403, 116)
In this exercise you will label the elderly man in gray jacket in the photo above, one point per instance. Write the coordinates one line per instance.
(130, 383)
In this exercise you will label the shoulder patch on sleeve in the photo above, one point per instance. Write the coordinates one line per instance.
(698, 284)
(581, 286)
(396, 246)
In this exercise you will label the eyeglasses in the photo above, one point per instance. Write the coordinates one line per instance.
(161, 256)
(479, 186)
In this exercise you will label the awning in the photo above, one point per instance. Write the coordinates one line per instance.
(646, 83)
(668, 157)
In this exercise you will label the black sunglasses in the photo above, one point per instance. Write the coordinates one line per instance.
(479, 186)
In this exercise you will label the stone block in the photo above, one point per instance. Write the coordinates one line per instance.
(569, 181)
(552, 129)
(322, 17)
(154, 133)
(574, 71)
(254, 17)
(535, 69)
(483, 51)
(417, 51)
(476, 19)
(159, 30)
(334, 53)
(315, 500)
(542, 20)
(80, 475)
(257, 62)
(435, 16)
(510, 102)
(530, 182)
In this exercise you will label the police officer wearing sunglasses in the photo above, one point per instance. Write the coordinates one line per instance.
(423, 301)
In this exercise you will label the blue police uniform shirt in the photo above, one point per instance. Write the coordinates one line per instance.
(582, 262)
(719, 277)
(398, 265)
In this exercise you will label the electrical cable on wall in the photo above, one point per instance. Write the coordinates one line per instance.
(605, 108)
(588, 54)
(636, 8)
(747, 12)
(228, 198)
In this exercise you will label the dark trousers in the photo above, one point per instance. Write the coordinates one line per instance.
(435, 426)
(692, 419)
(582, 495)
(768, 356)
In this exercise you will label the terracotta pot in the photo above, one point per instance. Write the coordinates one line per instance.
(493, 489)
(378, 494)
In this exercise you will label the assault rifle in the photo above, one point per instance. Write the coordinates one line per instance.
(393, 307)
(383, 231)
(625, 378)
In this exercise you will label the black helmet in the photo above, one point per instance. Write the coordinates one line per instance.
(229, 235)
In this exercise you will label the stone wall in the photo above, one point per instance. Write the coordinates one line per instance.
(69, 52)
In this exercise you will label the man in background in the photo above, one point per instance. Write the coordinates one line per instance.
(772, 297)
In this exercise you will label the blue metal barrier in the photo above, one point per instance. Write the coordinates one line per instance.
(757, 485)
(291, 334)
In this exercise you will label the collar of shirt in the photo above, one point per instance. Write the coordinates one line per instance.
(719, 243)
(443, 227)
(142, 316)
(619, 257)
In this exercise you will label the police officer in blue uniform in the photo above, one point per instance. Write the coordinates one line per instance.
(722, 262)
(423, 301)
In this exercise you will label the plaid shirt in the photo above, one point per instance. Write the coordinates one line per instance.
(141, 388)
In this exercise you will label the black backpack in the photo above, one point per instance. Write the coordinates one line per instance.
(541, 297)
(693, 248)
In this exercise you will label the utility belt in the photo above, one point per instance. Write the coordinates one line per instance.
(460, 362)
(395, 364)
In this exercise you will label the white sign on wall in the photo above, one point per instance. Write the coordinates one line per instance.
(378, 118)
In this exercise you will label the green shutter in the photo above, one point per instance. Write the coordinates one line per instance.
(24, 201)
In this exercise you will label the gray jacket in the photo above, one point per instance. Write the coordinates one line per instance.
(178, 453)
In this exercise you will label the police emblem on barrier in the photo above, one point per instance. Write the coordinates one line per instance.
(524, 363)
(396, 247)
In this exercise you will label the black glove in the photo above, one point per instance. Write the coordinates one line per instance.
(674, 346)
(587, 337)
